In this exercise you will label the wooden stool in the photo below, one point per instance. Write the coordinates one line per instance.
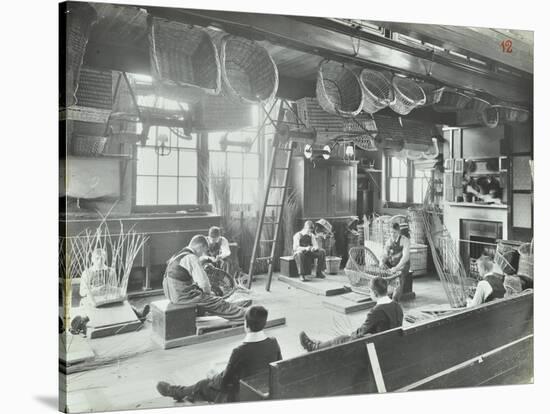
(172, 321)
(288, 267)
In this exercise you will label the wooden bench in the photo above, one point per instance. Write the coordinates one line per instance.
(486, 345)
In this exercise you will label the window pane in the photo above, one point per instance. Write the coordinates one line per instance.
(183, 142)
(403, 168)
(235, 164)
(168, 190)
(147, 161)
(168, 164)
(146, 191)
(395, 167)
(188, 191)
(217, 163)
(214, 140)
(393, 189)
(188, 163)
(251, 165)
(418, 191)
(402, 193)
(250, 194)
(236, 191)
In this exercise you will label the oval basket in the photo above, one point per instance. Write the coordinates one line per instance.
(477, 104)
(184, 60)
(490, 117)
(450, 100)
(249, 73)
(377, 91)
(408, 95)
(338, 89)
(512, 114)
(88, 146)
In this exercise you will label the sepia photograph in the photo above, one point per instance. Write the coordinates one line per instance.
(260, 206)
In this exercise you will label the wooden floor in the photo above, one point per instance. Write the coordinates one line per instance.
(136, 364)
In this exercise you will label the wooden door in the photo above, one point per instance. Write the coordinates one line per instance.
(316, 190)
(343, 190)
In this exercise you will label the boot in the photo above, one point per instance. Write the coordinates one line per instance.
(177, 393)
(307, 343)
(303, 278)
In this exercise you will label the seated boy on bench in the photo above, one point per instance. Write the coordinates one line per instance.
(251, 357)
(386, 314)
(186, 283)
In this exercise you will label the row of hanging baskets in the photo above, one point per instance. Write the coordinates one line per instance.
(187, 63)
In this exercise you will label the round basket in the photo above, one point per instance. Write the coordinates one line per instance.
(333, 264)
(363, 266)
(512, 114)
(507, 258)
(338, 89)
(450, 100)
(249, 73)
(221, 282)
(432, 93)
(525, 266)
(80, 19)
(184, 60)
(490, 117)
(416, 225)
(477, 104)
(408, 95)
(377, 91)
(88, 146)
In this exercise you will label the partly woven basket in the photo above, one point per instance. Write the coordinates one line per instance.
(377, 91)
(512, 114)
(380, 229)
(80, 19)
(338, 89)
(184, 60)
(249, 73)
(363, 266)
(88, 146)
(526, 261)
(408, 95)
(507, 258)
(449, 100)
(222, 283)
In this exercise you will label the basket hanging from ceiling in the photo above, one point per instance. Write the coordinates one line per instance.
(88, 146)
(338, 89)
(512, 113)
(408, 95)
(490, 117)
(80, 19)
(477, 104)
(377, 91)
(184, 60)
(249, 73)
(449, 100)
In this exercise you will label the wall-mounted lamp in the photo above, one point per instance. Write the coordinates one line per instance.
(350, 150)
(312, 153)
(161, 145)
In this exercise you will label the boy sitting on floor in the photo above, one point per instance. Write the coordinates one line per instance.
(249, 358)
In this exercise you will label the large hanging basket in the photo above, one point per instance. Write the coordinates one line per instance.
(338, 89)
(377, 91)
(490, 117)
(249, 73)
(408, 95)
(512, 114)
(362, 267)
(477, 104)
(184, 60)
(449, 100)
(80, 19)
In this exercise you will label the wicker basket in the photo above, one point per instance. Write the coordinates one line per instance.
(249, 73)
(408, 95)
(526, 261)
(338, 89)
(380, 229)
(333, 264)
(222, 283)
(512, 114)
(449, 100)
(490, 117)
(184, 60)
(377, 91)
(507, 258)
(363, 266)
(416, 225)
(88, 146)
(80, 19)
(477, 104)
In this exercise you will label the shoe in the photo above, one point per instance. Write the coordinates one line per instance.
(321, 275)
(167, 390)
(307, 343)
(303, 278)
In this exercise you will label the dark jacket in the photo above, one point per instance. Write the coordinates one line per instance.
(381, 318)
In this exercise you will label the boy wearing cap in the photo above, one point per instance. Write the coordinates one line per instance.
(396, 255)
(251, 357)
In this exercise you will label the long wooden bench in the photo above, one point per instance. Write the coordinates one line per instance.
(489, 344)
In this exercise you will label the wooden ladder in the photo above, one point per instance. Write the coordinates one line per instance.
(273, 187)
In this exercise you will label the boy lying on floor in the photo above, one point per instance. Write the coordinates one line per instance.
(249, 358)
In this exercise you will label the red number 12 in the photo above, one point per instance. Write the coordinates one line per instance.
(506, 46)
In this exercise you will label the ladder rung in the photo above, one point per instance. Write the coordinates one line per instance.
(281, 168)
(267, 241)
(273, 205)
(264, 258)
(271, 222)
(278, 186)
(285, 149)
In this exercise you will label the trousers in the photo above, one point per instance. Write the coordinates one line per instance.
(208, 389)
(214, 305)
(304, 261)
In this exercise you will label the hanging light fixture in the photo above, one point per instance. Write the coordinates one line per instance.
(312, 153)
(161, 145)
